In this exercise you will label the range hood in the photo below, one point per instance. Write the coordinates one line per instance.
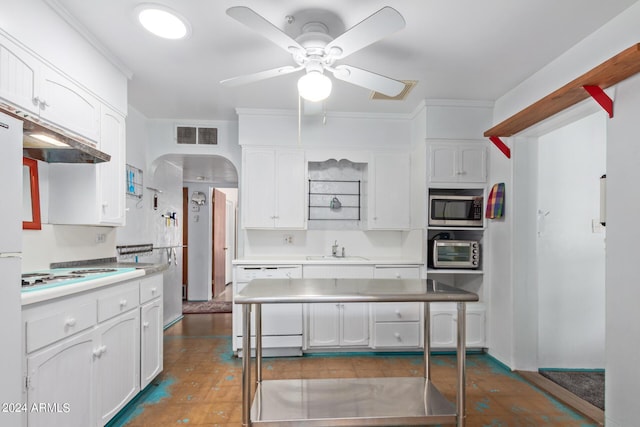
(43, 142)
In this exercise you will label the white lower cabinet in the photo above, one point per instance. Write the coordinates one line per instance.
(333, 325)
(151, 360)
(62, 375)
(396, 325)
(444, 327)
(84, 354)
(338, 325)
(118, 364)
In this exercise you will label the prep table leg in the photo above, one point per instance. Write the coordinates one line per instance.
(427, 341)
(258, 310)
(246, 365)
(461, 356)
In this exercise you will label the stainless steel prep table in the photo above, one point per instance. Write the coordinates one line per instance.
(357, 401)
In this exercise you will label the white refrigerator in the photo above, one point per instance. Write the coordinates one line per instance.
(10, 266)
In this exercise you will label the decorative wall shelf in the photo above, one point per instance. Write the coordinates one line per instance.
(614, 70)
(323, 194)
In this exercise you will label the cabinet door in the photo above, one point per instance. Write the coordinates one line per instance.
(259, 198)
(475, 328)
(111, 174)
(118, 364)
(443, 329)
(355, 324)
(391, 204)
(290, 189)
(65, 104)
(442, 161)
(324, 325)
(63, 375)
(472, 163)
(19, 77)
(151, 349)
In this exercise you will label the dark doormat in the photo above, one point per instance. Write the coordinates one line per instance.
(587, 385)
(212, 306)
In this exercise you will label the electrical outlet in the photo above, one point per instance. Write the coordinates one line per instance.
(287, 239)
(101, 238)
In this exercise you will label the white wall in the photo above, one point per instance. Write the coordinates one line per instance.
(623, 157)
(622, 290)
(571, 292)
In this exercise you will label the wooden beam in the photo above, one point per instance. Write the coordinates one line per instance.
(616, 69)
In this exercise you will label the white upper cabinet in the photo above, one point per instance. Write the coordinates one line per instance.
(455, 162)
(65, 104)
(111, 174)
(390, 189)
(19, 77)
(37, 89)
(92, 194)
(273, 189)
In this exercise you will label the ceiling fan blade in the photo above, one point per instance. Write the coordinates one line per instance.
(267, 74)
(367, 79)
(256, 22)
(384, 22)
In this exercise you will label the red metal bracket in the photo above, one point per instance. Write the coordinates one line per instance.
(501, 146)
(601, 98)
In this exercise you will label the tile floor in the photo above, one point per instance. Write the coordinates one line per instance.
(201, 382)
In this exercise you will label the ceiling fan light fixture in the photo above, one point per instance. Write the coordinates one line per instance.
(162, 21)
(314, 86)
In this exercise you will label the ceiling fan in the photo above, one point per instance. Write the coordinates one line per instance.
(316, 51)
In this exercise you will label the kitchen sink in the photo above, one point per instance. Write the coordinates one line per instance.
(336, 258)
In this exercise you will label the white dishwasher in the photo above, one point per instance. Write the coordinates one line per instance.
(281, 323)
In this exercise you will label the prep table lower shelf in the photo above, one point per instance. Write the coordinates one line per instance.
(350, 401)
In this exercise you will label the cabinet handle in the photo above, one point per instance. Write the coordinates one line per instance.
(96, 352)
(397, 335)
(123, 303)
(153, 291)
(398, 276)
(103, 350)
(398, 313)
(145, 325)
(70, 322)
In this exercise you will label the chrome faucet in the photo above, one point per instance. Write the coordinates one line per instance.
(334, 249)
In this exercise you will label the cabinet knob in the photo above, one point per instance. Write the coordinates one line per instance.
(145, 325)
(70, 322)
(398, 276)
(153, 291)
(397, 336)
(123, 303)
(398, 313)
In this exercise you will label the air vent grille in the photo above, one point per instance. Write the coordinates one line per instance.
(196, 135)
(408, 85)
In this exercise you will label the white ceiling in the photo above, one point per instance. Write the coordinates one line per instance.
(456, 49)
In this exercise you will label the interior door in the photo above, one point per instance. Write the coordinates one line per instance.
(219, 201)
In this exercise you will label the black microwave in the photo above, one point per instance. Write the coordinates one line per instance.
(455, 211)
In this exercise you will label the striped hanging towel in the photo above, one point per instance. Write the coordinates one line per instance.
(495, 204)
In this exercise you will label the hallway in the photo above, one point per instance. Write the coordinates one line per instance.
(201, 382)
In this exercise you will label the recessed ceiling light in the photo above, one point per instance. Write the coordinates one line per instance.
(162, 21)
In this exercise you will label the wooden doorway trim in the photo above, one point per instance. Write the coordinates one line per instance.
(218, 262)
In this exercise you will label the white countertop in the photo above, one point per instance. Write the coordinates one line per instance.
(39, 295)
(302, 259)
